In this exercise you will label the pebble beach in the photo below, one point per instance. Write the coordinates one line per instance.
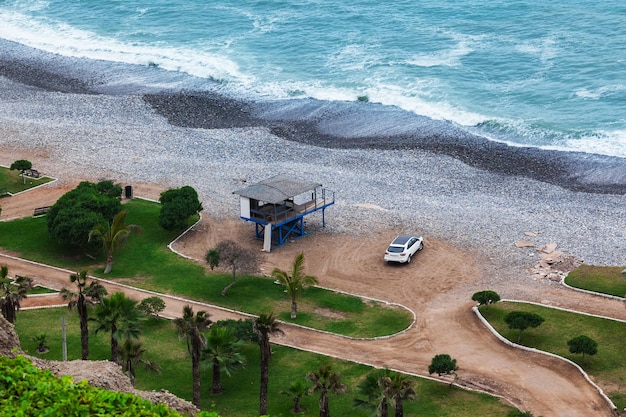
(432, 185)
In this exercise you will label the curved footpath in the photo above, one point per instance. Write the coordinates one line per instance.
(531, 381)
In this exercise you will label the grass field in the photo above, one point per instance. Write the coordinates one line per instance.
(14, 183)
(602, 279)
(240, 398)
(146, 262)
(607, 366)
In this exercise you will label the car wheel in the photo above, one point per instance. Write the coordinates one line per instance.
(408, 260)
(421, 246)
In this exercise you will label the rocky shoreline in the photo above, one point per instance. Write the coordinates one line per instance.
(473, 193)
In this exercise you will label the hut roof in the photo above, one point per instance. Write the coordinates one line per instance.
(277, 189)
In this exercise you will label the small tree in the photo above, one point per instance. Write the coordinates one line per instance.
(42, 342)
(522, 320)
(230, 255)
(12, 292)
(21, 165)
(223, 352)
(486, 297)
(152, 306)
(294, 283)
(113, 236)
(87, 295)
(325, 381)
(131, 352)
(265, 326)
(190, 327)
(177, 205)
(583, 344)
(443, 364)
(118, 315)
(295, 391)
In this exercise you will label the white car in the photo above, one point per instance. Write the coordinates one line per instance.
(403, 247)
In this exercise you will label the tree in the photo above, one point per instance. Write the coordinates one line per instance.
(42, 342)
(132, 352)
(443, 364)
(12, 292)
(119, 315)
(373, 389)
(583, 344)
(190, 327)
(522, 320)
(152, 306)
(177, 205)
(325, 381)
(77, 212)
(295, 391)
(223, 352)
(113, 235)
(21, 165)
(294, 283)
(87, 295)
(486, 297)
(265, 325)
(235, 257)
(398, 388)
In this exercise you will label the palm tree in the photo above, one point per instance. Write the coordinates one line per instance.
(222, 350)
(132, 355)
(377, 399)
(12, 292)
(296, 390)
(296, 282)
(190, 327)
(325, 381)
(265, 325)
(87, 295)
(119, 315)
(113, 236)
(397, 388)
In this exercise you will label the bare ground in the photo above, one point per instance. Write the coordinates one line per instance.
(437, 286)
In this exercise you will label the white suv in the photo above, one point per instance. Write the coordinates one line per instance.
(403, 247)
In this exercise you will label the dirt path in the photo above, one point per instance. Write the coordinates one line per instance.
(437, 287)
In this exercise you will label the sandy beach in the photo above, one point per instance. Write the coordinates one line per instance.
(470, 210)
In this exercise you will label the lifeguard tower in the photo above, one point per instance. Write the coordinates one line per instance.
(278, 206)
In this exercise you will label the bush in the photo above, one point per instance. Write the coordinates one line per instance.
(177, 205)
(28, 391)
(243, 329)
(78, 211)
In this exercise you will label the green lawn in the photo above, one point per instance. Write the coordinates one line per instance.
(602, 279)
(607, 366)
(14, 183)
(240, 398)
(146, 262)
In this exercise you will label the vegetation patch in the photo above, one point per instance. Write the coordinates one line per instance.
(14, 183)
(558, 328)
(602, 279)
(146, 262)
(241, 390)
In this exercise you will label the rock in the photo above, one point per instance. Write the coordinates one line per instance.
(9, 342)
(524, 244)
(548, 248)
(529, 234)
(624, 272)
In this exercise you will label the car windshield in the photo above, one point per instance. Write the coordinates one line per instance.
(395, 249)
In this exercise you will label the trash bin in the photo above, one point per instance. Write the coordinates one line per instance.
(128, 191)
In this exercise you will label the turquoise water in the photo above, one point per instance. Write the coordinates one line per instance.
(530, 73)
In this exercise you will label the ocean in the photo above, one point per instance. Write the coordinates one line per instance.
(548, 75)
